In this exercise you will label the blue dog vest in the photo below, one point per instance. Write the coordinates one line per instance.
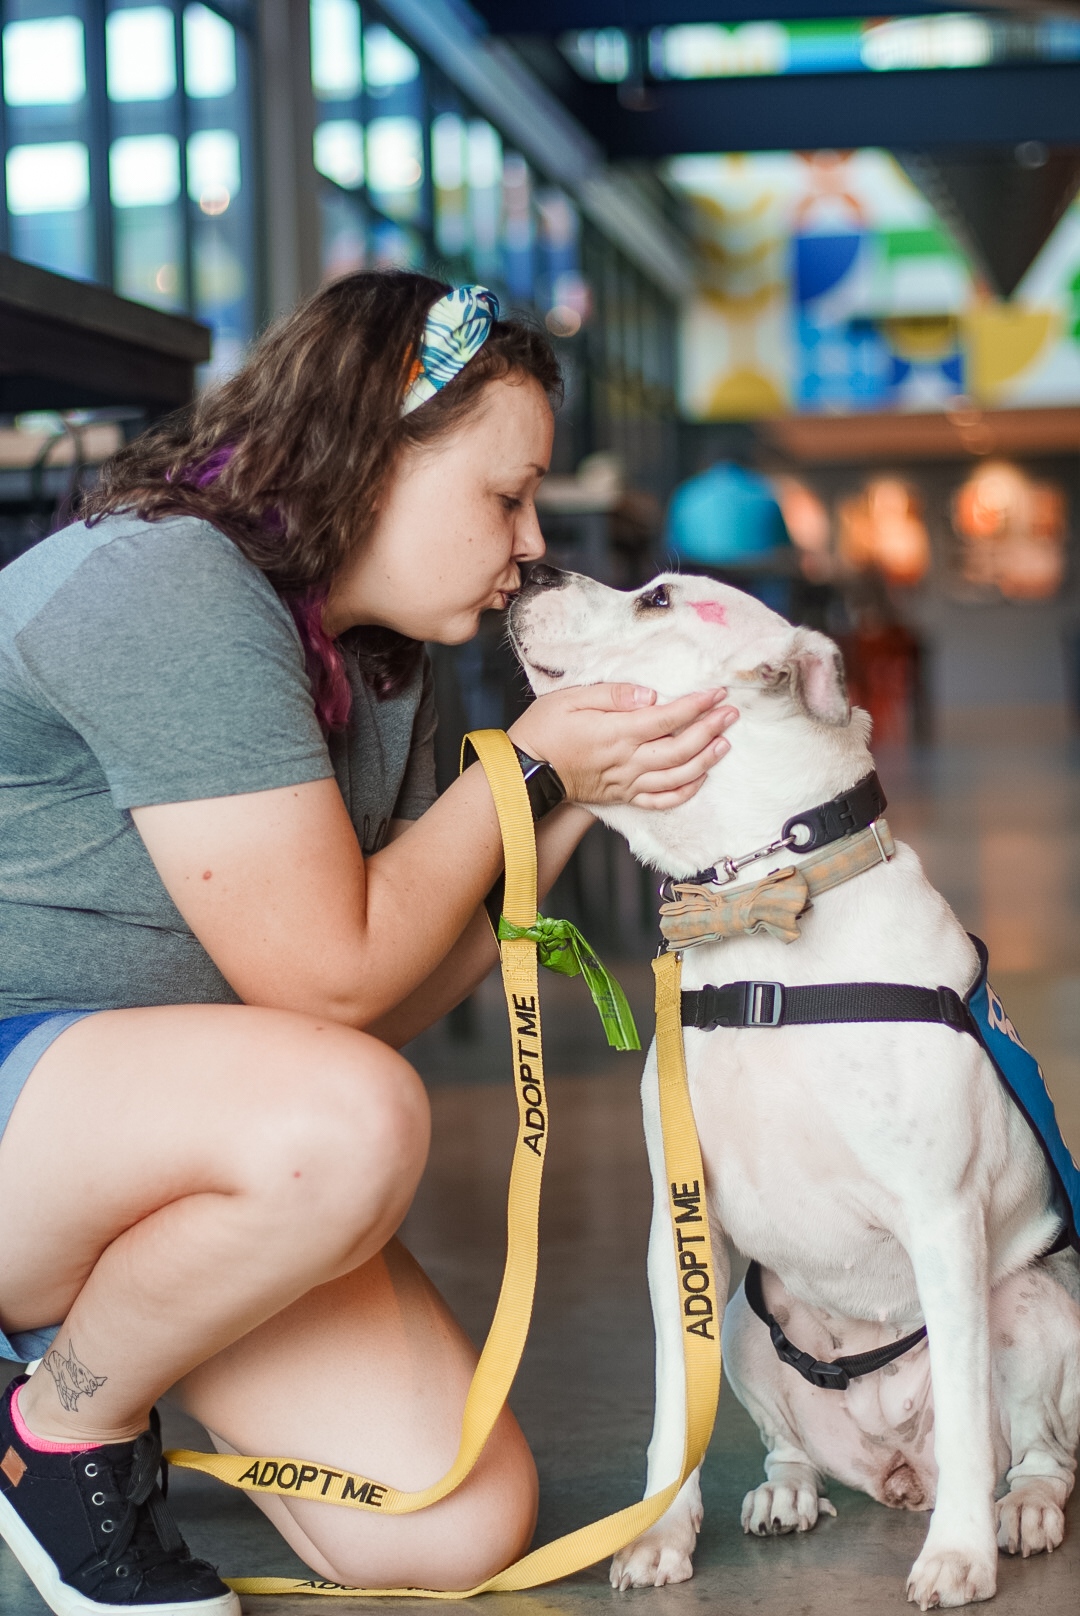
(981, 1015)
(1022, 1077)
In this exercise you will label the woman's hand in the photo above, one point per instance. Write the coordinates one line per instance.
(615, 744)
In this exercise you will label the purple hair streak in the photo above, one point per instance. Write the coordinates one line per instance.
(322, 655)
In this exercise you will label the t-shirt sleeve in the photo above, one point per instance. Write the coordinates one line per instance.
(175, 660)
(418, 785)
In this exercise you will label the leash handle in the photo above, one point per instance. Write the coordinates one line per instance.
(502, 1351)
(495, 750)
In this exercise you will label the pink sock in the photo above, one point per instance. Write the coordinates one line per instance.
(37, 1443)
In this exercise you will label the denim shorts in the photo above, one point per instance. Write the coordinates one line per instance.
(23, 1040)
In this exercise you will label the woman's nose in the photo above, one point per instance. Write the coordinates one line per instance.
(530, 544)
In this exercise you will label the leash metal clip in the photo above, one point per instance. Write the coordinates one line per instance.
(732, 866)
(725, 870)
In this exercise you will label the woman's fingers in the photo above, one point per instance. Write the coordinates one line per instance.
(671, 717)
(668, 799)
(623, 698)
(693, 742)
(613, 743)
(655, 782)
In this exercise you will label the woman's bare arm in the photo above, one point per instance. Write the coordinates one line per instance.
(275, 887)
(475, 952)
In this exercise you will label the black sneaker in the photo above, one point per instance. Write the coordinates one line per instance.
(94, 1534)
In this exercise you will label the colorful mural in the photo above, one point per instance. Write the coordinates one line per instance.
(828, 284)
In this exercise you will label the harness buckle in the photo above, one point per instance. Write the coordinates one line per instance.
(763, 1005)
(828, 1377)
(954, 1012)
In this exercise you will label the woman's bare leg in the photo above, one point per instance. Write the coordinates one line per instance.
(172, 1177)
(369, 1373)
(171, 1182)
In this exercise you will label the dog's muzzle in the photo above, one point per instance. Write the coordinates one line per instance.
(541, 576)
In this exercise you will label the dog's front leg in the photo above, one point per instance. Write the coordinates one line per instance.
(948, 1249)
(664, 1553)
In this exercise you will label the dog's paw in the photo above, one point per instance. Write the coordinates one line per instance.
(951, 1577)
(777, 1507)
(655, 1558)
(1031, 1517)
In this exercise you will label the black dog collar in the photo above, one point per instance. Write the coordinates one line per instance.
(804, 832)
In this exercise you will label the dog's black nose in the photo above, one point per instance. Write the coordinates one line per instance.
(541, 576)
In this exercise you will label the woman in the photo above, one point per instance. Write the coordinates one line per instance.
(227, 896)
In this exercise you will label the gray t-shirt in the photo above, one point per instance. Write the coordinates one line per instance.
(148, 662)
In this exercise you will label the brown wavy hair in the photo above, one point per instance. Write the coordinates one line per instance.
(289, 456)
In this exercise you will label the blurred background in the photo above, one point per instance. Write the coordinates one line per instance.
(814, 280)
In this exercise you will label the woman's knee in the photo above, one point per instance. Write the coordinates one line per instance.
(478, 1531)
(339, 1134)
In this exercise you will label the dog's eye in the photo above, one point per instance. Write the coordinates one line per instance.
(655, 600)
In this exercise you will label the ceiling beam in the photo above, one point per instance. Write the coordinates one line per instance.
(561, 16)
(992, 106)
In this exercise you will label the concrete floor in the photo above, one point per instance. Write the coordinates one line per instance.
(994, 813)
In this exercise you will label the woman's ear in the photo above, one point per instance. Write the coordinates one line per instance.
(812, 668)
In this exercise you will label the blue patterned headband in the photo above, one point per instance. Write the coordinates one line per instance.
(456, 328)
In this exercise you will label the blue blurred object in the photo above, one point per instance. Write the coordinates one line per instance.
(727, 514)
(727, 517)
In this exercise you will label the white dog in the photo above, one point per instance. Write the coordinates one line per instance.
(878, 1173)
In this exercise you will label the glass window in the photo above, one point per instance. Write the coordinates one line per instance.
(219, 161)
(44, 62)
(449, 158)
(144, 170)
(213, 169)
(209, 53)
(51, 178)
(344, 233)
(395, 165)
(394, 247)
(388, 61)
(485, 167)
(339, 151)
(48, 197)
(148, 253)
(518, 267)
(140, 54)
(336, 63)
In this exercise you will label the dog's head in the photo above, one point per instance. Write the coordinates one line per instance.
(679, 634)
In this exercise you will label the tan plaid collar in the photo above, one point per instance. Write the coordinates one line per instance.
(709, 914)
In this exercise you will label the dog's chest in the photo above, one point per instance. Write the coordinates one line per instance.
(783, 1121)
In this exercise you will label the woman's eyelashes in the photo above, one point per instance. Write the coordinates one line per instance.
(511, 502)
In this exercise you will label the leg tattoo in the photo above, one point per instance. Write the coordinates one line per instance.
(72, 1377)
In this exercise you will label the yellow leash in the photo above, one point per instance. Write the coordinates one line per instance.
(295, 1478)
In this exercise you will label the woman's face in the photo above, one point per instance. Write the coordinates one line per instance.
(458, 519)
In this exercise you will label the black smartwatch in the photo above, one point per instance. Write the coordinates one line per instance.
(542, 785)
(545, 789)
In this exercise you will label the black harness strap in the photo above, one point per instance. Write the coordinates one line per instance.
(837, 1375)
(770, 1004)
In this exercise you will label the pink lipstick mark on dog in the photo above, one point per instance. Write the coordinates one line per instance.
(710, 611)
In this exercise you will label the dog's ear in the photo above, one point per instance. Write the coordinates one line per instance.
(812, 668)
